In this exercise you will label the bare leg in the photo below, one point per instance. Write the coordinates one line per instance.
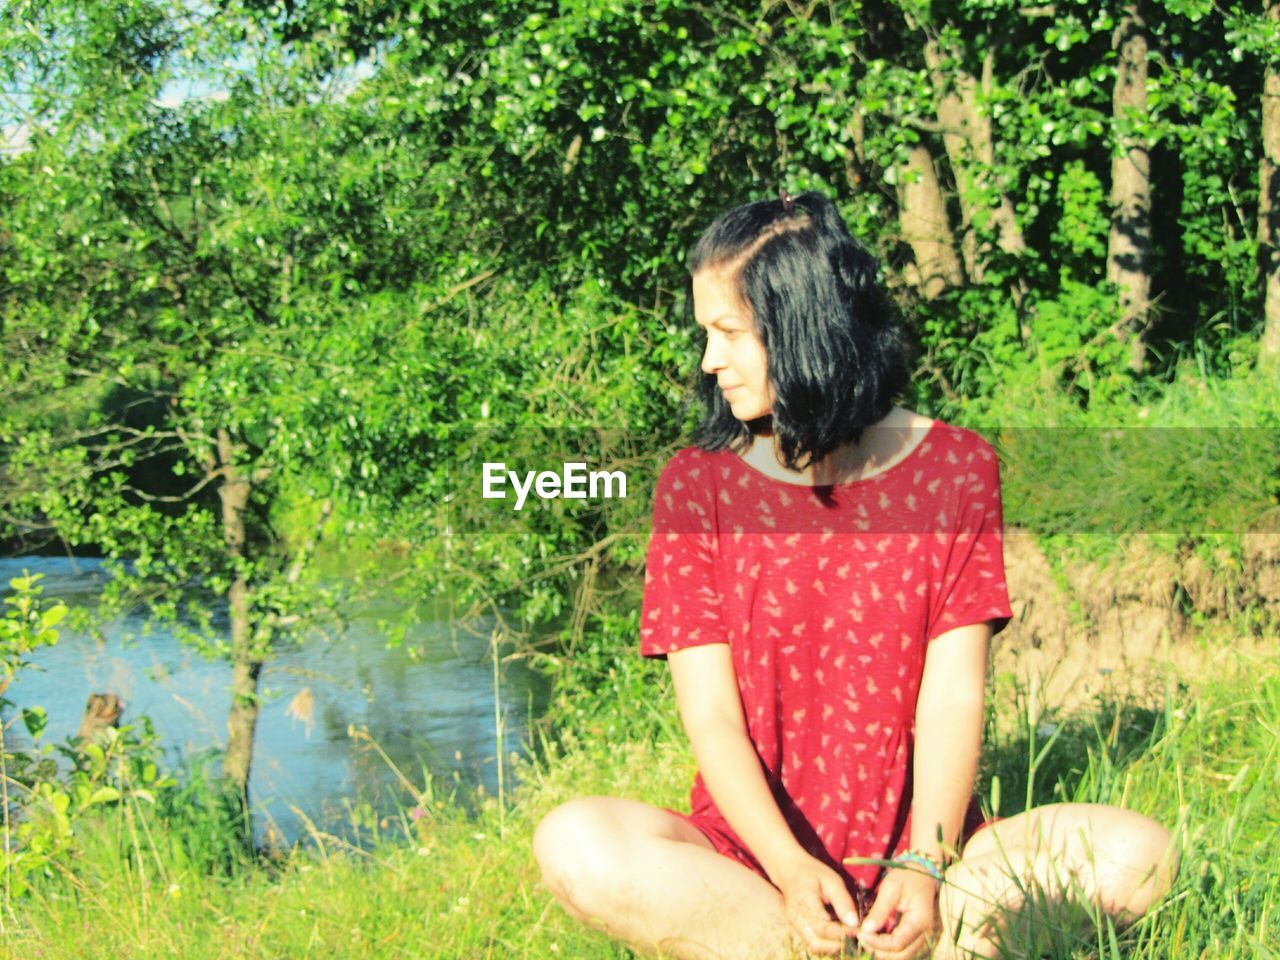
(1046, 875)
(647, 877)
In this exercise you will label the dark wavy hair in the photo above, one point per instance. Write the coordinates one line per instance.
(838, 351)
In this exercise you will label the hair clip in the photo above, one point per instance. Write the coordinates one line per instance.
(788, 201)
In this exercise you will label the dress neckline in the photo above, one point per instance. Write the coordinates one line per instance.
(843, 484)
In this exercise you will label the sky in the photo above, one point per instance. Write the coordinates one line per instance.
(184, 87)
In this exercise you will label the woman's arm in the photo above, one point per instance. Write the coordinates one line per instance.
(711, 710)
(948, 737)
(949, 714)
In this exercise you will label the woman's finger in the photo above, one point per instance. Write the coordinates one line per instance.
(808, 915)
(904, 935)
(837, 895)
(914, 926)
(813, 941)
(883, 909)
(916, 948)
(908, 939)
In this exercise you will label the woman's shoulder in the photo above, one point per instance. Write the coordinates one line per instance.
(694, 463)
(690, 472)
(683, 497)
(954, 441)
(965, 462)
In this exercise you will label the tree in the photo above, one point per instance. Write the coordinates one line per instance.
(1128, 249)
(190, 383)
(1269, 196)
(243, 323)
(926, 225)
(969, 141)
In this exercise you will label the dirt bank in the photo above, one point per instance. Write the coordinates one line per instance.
(1084, 627)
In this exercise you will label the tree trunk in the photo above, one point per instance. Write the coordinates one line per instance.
(246, 662)
(102, 710)
(1128, 249)
(855, 154)
(970, 146)
(1269, 206)
(925, 226)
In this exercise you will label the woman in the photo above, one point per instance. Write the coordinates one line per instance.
(824, 576)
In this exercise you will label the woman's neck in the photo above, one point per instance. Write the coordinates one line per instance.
(883, 445)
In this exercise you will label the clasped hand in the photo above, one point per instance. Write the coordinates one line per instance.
(812, 895)
(899, 926)
(903, 920)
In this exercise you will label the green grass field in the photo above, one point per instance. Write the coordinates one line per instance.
(451, 885)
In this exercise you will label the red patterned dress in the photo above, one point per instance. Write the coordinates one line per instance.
(827, 597)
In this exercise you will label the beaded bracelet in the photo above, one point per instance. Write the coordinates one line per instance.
(922, 860)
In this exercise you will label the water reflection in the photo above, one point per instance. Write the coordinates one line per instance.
(434, 712)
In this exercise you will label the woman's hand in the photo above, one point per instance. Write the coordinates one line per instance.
(808, 888)
(904, 917)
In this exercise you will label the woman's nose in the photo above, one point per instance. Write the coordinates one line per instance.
(711, 358)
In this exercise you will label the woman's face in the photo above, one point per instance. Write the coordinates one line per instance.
(735, 354)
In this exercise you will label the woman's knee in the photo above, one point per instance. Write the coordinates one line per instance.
(1137, 866)
(1131, 857)
(1119, 860)
(577, 847)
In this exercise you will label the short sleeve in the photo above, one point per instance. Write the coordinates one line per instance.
(972, 586)
(681, 606)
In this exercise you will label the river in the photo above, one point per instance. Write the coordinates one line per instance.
(433, 711)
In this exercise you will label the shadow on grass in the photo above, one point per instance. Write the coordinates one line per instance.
(1035, 755)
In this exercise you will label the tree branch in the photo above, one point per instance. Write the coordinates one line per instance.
(176, 498)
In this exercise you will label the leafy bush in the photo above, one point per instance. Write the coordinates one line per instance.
(43, 808)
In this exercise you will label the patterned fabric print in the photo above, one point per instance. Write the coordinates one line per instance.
(827, 597)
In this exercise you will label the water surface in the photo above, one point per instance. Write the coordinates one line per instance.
(435, 709)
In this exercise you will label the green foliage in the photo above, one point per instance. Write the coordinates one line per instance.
(45, 812)
(604, 689)
(1083, 225)
(27, 623)
(1196, 456)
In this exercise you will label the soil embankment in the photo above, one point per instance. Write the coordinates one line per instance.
(1084, 628)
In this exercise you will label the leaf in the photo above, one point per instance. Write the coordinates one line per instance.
(57, 798)
(103, 795)
(35, 720)
(53, 616)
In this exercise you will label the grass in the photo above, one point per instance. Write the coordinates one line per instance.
(446, 885)
(1191, 461)
(1204, 756)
